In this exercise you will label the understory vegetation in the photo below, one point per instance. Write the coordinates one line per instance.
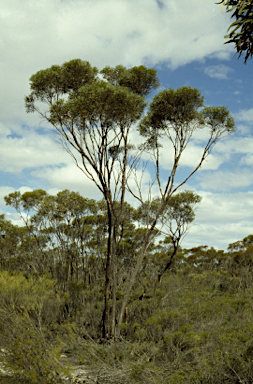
(188, 319)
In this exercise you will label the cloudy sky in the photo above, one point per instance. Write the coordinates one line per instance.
(183, 40)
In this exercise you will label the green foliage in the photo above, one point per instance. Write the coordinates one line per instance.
(196, 329)
(28, 312)
(218, 120)
(241, 33)
(11, 236)
(178, 212)
(30, 358)
(176, 114)
(98, 103)
(50, 84)
(139, 80)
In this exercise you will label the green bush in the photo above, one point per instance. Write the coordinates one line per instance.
(26, 324)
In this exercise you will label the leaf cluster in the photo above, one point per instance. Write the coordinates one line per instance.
(241, 33)
(139, 80)
(176, 114)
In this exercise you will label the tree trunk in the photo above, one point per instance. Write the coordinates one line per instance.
(113, 274)
(168, 265)
(107, 276)
(138, 263)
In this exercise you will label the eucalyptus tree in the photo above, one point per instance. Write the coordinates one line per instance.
(12, 253)
(93, 117)
(173, 223)
(64, 236)
(173, 118)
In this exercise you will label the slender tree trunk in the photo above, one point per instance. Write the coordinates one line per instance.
(139, 260)
(132, 281)
(117, 222)
(113, 273)
(107, 276)
(168, 265)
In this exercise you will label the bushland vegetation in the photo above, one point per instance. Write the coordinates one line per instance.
(188, 319)
(107, 286)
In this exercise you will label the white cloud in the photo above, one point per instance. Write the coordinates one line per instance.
(4, 191)
(68, 177)
(247, 160)
(244, 130)
(226, 180)
(245, 115)
(71, 177)
(226, 207)
(4, 131)
(35, 35)
(235, 144)
(220, 71)
(218, 234)
(192, 155)
(30, 150)
(221, 218)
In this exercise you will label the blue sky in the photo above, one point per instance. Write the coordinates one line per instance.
(183, 40)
